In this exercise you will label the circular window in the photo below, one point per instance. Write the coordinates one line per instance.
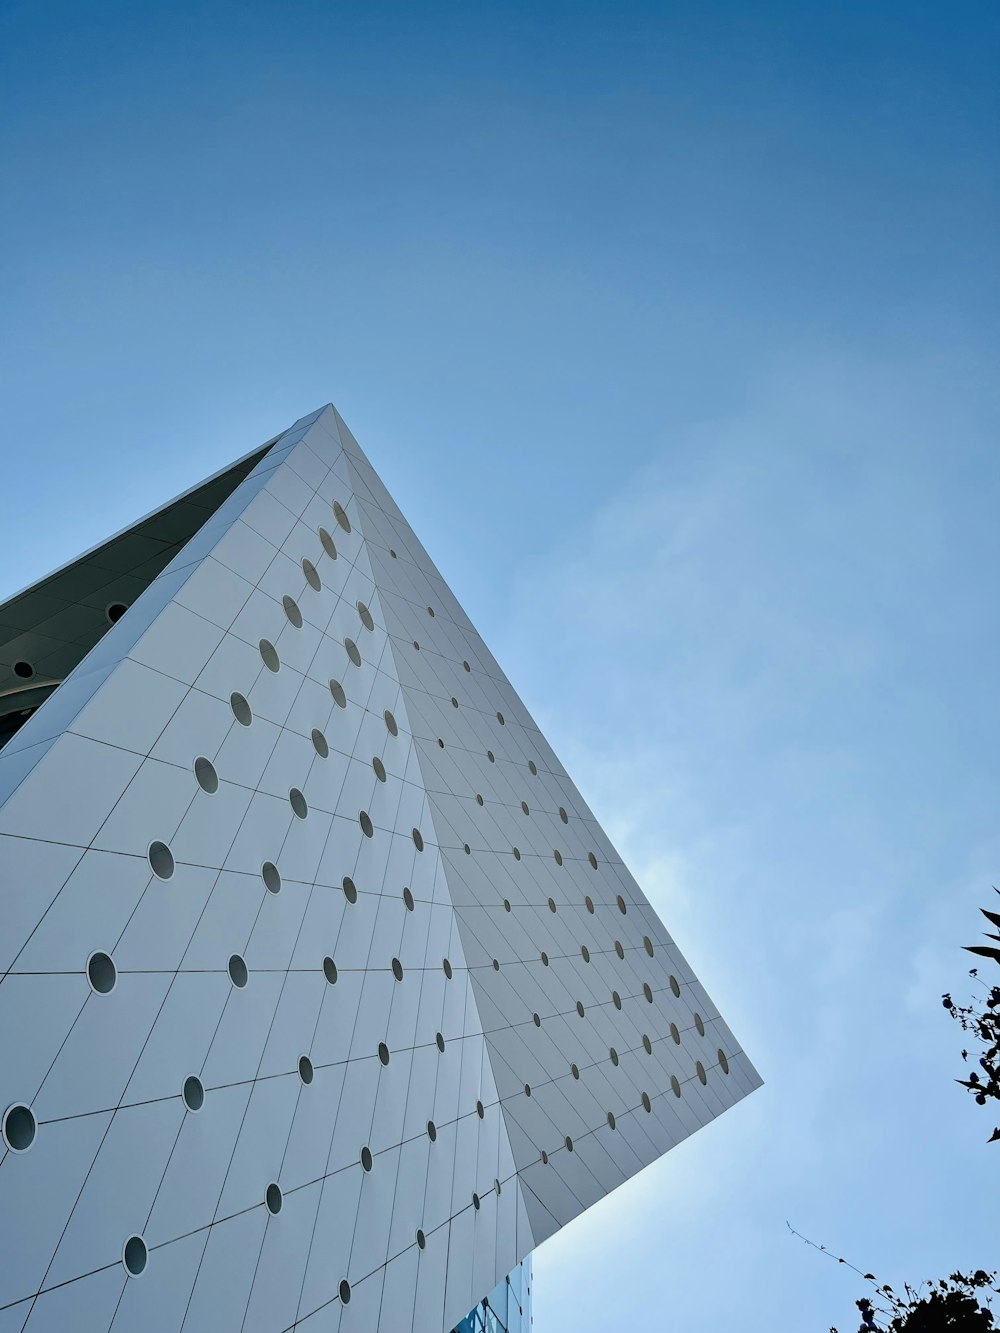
(393, 553)
(617, 999)
(353, 652)
(329, 546)
(383, 1052)
(524, 808)
(366, 1158)
(545, 1162)
(574, 1070)
(24, 670)
(467, 849)
(330, 969)
(269, 874)
(647, 944)
(569, 1144)
(619, 949)
(647, 1044)
(339, 697)
(675, 986)
(593, 861)
(621, 904)
(557, 855)
(305, 1069)
(490, 756)
(114, 611)
(397, 969)
(496, 1184)
(446, 967)
(700, 1068)
(367, 827)
(193, 1093)
(418, 840)
(500, 719)
(563, 815)
(440, 743)
(241, 709)
(101, 973)
(533, 768)
(584, 953)
(390, 723)
(161, 860)
(675, 1034)
(134, 1256)
(292, 610)
(366, 616)
(207, 778)
(723, 1062)
(475, 1202)
(675, 1084)
(345, 1292)
(312, 577)
(238, 973)
(378, 768)
(416, 645)
(350, 892)
(298, 803)
(466, 666)
(552, 904)
(440, 1042)
(480, 1110)
(699, 1023)
(545, 958)
(611, 1120)
(506, 904)
(589, 903)
(430, 611)
(454, 702)
(479, 799)
(647, 1105)
(269, 655)
(536, 1019)
(647, 991)
(408, 899)
(579, 1008)
(614, 1057)
(517, 853)
(496, 965)
(320, 744)
(421, 1239)
(19, 1127)
(341, 516)
(272, 1199)
(432, 1131)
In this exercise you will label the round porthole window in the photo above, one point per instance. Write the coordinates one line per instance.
(699, 1023)
(700, 1068)
(506, 904)
(298, 803)
(238, 973)
(23, 670)
(193, 1093)
(350, 892)
(579, 1008)
(367, 828)
(592, 859)
(269, 874)
(378, 768)
(397, 969)
(480, 1110)
(345, 1292)
(383, 1053)
(161, 860)
(330, 970)
(329, 546)
(647, 1105)
(616, 999)
(312, 575)
(340, 515)
(675, 1034)
(408, 899)
(320, 743)
(647, 944)
(269, 655)
(619, 949)
(418, 840)
(390, 723)
(339, 697)
(134, 1256)
(431, 1131)
(723, 1062)
(365, 616)
(675, 1084)
(563, 815)
(272, 1199)
(466, 666)
(675, 986)
(114, 612)
(575, 1071)
(647, 1044)
(421, 1240)
(101, 973)
(569, 1143)
(19, 1127)
(353, 651)
(439, 1039)
(292, 611)
(611, 1120)
(589, 904)
(366, 1158)
(533, 768)
(446, 967)
(205, 775)
(647, 990)
(614, 1057)
(584, 953)
(306, 1073)
(241, 709)
(479, 799)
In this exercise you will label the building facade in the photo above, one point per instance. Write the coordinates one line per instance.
(324, 999)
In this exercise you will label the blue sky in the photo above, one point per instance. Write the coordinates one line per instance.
(672, 330)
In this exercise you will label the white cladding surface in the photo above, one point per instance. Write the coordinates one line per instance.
(324, 997)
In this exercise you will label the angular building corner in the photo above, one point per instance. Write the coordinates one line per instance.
(324, 999)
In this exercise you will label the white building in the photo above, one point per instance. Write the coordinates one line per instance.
(324, 999)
